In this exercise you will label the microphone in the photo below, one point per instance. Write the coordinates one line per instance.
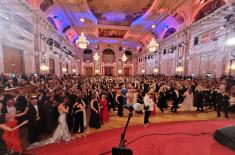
(129, 107)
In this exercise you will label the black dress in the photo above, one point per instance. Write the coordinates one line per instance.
(95, 118)
(2, 143)
(78, 119)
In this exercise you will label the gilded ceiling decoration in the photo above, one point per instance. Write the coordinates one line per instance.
(111, 33)
(118, 12)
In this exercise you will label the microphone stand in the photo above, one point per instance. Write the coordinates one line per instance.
(122, 140)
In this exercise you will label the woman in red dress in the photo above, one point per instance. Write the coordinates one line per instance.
(104, 112)
(153, 98)
(12, 138)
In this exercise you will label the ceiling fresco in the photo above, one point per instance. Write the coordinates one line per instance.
(118, 12)
(112, 33)
(129, 23)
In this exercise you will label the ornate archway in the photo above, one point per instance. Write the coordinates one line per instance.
(87, 55)
(108, 56)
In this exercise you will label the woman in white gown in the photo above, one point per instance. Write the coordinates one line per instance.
(61, 132)
(187, 104)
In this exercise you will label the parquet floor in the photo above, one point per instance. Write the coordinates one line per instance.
(137, 119)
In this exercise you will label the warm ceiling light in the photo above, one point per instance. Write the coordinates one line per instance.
(153, 45)
(124, 58)
(153, 26)
(82, 42)
(82, 20)
(202, 1)
(96, 57)
(143, 70)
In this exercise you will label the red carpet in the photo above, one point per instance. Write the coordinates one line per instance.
(177, 144)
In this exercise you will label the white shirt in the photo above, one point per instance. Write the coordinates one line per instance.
(36, 108)
(148, 102)
(177, 93)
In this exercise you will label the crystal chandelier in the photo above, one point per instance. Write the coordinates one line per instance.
(153, 45)
(82, 42)
(124, 58)
(96, 57)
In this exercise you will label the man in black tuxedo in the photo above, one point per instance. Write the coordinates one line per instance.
(112, 99)
(20, 104)
(175, 98)
(200, 101)
(34, 116)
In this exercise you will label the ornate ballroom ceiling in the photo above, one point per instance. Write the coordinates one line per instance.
(128, 23)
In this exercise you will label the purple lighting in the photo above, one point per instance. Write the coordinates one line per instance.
(165, 27)
(114, 16)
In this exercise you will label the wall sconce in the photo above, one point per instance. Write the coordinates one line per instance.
(155, 70)
(74, 70)
(179, 69)
(44, 67)
(119, 71)
(64, 69)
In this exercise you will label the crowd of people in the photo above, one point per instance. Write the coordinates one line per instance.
(68, 105)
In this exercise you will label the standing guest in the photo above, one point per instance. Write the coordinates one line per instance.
(12, 139)
(223, 104)
(187, 104)
(104, 110)
(122, 101)
(175, 98)
(199, 98)
(34, 116)
(78, 116)
(21, 101)
(61, 132)
(5, 128)
(148, 108)
(95, 112)
(162, 101)
(111, 99)
(49, 113)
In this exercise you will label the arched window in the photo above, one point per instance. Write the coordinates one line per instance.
(51, 20)
(66, 28)
(87, 55)
(179, 18)
(108, 56)
(46, 4)
(169, 32)
(129, 56)
(209, 8)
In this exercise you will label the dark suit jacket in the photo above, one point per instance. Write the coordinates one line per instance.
(21, 103)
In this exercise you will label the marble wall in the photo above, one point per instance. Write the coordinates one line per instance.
(26, 29)
(199, 48)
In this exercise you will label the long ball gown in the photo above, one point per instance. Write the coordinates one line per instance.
(61, 132)
(104, 111)
(12, 138)
(95, 117)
